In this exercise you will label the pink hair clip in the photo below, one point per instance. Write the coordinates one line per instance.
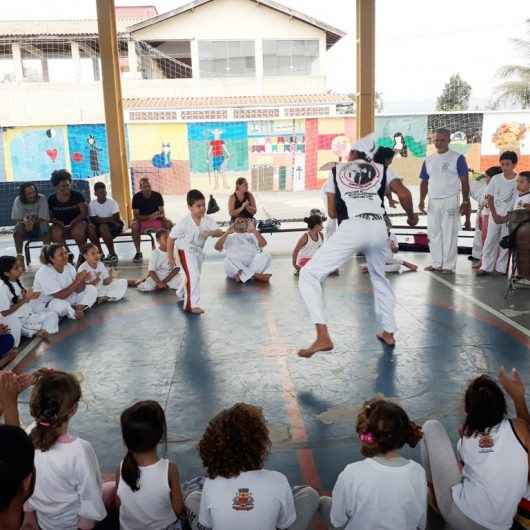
(366, 438)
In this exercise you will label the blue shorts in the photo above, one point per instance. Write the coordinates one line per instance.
(217, 162)
(7, 342)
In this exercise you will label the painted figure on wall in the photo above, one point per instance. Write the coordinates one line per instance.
(400, 146)
(163, 159)
(88, 150)
(93, 150)
(218, 155)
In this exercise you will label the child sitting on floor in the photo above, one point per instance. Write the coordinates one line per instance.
(148, 487)
(21, 308)
(68, 491)
(161, 275)
(384, 490)
(393, 264)
(110, 288)
(309, 243)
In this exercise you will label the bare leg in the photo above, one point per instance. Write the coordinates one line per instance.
(410, 266)
(135, 229)
(93, 236)
(19, 236)
(104, 231)
(322, 343)
(79, 234)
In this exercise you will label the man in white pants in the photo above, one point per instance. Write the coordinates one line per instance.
(442, 175)
(357, 191)
(243, 246)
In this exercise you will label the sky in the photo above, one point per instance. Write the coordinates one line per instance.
(419, 43)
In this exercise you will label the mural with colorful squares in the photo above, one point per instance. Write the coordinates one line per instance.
(274, 155)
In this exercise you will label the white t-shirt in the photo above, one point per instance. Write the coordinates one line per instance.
(106, 209)
(187, 233)
(503, 190)
(243, 247)
(49, 281)
(100, 268)
(6, 300)
(255, 500)
(159, 263)
(520, 200)
(149, 508)
(443, 171)
(369, 495)
(68, 485)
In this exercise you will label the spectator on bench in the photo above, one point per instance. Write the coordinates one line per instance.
(105, 222)
(148, 211)
(68, 212)
(31, 214)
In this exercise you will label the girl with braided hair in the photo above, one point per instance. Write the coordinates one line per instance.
(26, 314)
(68, 492)
(384, 490)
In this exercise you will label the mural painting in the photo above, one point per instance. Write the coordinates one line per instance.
(88, 150)
(218, 154)
(277, 155)
(407, 136)
(32, 153)
(160, 152)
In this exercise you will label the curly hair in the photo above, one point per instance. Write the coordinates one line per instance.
(384, 426)
(236, 440)
(55, 395)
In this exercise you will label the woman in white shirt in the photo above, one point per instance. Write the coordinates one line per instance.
(63, 291)
(384, 491)
(22, 309)
(67, 492)
(238, 492)
(483, 490)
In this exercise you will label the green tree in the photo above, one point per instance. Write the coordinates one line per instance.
(379, 103)
(515, 90)
(455, 95)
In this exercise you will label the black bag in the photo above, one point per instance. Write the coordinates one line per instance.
(269, 225)
(507, 242)
(213, 207)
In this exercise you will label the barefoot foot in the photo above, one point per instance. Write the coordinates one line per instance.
(317, 346)
(197, 311)
(263, 278)
(387, 338)
(44, 335)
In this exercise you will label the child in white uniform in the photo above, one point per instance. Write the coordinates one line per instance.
(392, 263)
(385, 490)
(23, 311)
(63, 290)
(245, 259)
(520, 201)
(68, 484)
(189, 236)
(499, 194)
(149, 491)
(110, 289)
(309, 243)
(161, 275)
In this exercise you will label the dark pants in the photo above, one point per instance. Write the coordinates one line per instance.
(7, 342)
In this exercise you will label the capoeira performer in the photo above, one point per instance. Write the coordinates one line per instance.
(244, 257)
(357, 195)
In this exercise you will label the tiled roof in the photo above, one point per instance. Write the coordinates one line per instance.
(235, 101)
(54, 28)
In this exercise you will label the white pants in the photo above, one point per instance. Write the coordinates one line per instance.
(260, 264)
(149, 284)
(331, 227)
(65, 308)
(352, 236)
(443, 220)
(190, 289)
(37, 319)
(495, 257)
(114, 291)
(476, 252)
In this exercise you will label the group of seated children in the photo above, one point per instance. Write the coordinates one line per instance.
(56, 480)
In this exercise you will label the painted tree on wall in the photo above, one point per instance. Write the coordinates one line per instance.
(515, 90)
(455, 95)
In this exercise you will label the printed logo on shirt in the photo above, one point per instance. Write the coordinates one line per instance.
(243, 501)
(486, 443)
(445, 167)
(359, 176)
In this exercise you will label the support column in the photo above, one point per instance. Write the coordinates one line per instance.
(195, 62)
(132, 58)
(365, 67)
(110, 65)
(76, 60)
(17, 62)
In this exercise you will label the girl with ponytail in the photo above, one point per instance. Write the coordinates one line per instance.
(68, 492)
(148, 486)
(25, 312)
(310, 242)
(385, 490)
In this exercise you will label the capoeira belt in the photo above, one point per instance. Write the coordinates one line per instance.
(370, 216)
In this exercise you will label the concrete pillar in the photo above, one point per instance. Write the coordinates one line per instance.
(76, 60)
(258, 47)
(17, 62)
(195, 62)
(132, 58)
(110, 63)
(365, 67)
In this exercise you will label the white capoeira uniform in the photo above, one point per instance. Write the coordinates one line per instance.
(114, 291)
(244, 257)
(49, 281)
(190, 247)
(392, 262)
(476, 190)
(29, 318)
(443, 172)
(331, 224)
(504, 191)
(364, 230)
(159, 264)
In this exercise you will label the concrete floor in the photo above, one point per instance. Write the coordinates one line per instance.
(243, 349)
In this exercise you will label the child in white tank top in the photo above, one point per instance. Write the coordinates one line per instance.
(148, 491)
(309, 243)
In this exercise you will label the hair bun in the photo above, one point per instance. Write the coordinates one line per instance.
(306, 219)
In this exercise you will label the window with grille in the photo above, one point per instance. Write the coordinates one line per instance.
(227, 59)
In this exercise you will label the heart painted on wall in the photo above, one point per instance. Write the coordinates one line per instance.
(52, 153)
(77, 157)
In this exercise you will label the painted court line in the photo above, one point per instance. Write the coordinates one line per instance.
(497, 314)
(29, 348)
